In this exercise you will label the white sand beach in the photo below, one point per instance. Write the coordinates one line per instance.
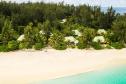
(25, 67)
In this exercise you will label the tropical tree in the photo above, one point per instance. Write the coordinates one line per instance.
(119, 29)
(8, 33)
(46, 28)
(28, 35)
(87, 36)
(57, 41)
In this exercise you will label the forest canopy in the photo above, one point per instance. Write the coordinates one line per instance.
(48, 24)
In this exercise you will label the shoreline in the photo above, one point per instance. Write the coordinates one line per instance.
(25, 67)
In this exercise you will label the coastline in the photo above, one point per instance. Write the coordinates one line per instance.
(25, 67)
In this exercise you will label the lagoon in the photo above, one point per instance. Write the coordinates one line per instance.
(113, 75)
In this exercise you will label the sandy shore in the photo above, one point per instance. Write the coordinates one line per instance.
(25, 67)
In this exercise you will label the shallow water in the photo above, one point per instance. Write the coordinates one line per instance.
(114, 75)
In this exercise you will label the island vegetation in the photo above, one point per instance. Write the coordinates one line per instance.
(60, 26)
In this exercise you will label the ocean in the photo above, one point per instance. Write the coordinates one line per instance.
(113, 75)
(120, 10)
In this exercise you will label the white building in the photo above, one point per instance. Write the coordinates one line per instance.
(101, 32)
(100, 39)
(77, 32)
(21, 38)
(71, 39)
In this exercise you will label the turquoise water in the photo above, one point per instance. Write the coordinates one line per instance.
(115, 75)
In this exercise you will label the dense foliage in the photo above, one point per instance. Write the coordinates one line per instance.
(119, 29)
(57, 41)
(39, 25)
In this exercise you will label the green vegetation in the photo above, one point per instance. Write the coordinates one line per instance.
(57, 41)
(3, 48)
(97, 46)
(12, 45)
(81, 45)
(118, 45)
(39, 25)
(119, 29)
(22, 46)
(38, 46)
